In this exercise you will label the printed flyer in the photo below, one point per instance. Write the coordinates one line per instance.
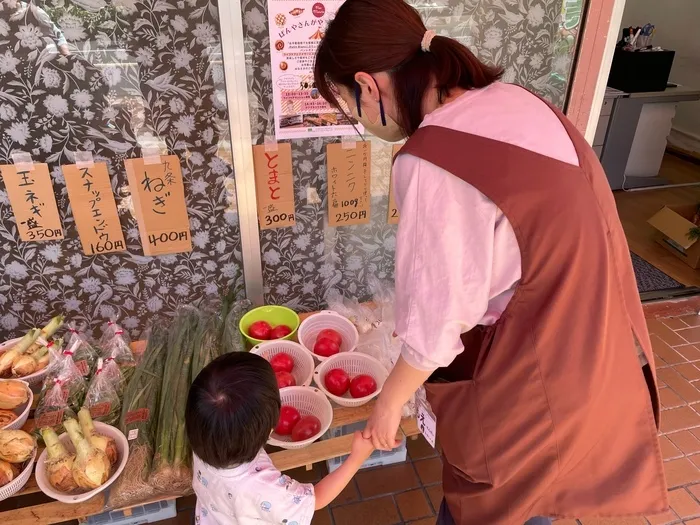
(296, 28)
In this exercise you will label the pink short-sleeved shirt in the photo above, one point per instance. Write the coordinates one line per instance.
(457, 258)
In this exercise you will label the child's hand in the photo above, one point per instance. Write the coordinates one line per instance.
(361, 448)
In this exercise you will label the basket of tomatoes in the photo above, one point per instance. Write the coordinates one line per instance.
(293, 365)
(268, 323)
(351, 379)
(328, 333)
(306, 415)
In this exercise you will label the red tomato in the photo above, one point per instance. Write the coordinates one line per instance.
(306, 428)
(331, 335)
(285, 379)
(337, 382)
(282, 363)
(362, 386)
(260, 330)
(280, 331)
(289, 417)
(326, 348)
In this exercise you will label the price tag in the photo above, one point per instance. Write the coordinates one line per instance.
(349, 184)
(133, 434)
(274, 184)
(393, 209)
(94, 209)
(427, 423)
(100, 409)
(158, 194)
(33, 202)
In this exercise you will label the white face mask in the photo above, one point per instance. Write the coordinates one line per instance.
(385, 127)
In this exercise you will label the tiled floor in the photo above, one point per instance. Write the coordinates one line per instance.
(411, 492)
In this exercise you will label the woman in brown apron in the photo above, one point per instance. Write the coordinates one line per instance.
(516, 300)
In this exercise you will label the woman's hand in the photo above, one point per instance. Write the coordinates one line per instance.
(384, 422)
(383, 426)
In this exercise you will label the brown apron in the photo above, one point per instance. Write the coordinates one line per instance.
(548, 412)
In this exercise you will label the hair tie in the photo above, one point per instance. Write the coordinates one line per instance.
(427, 40)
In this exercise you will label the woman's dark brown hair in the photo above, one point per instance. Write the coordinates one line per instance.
(372, 36)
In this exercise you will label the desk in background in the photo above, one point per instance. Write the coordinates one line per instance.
(632, 134)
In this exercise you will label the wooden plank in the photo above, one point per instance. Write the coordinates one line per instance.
(53, 512)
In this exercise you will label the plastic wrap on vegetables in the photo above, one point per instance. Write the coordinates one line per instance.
(102, 399)
(139, 422)
(232, 340)
(81, 348)
(117, 349)
(172, 470)
(56, 404)
(63, 390)
(363, 317)
(112, 373)
(112, 330)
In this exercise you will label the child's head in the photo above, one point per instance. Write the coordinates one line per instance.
(232, 407)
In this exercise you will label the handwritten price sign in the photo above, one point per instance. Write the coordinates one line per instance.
(393, 209)
(94, 209)
(159, 203)
(349, 184)
(274, 184)
(33, 202)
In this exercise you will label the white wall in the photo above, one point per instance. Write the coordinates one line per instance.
(677, 28)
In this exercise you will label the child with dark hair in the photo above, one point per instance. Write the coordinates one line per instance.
(232, 407)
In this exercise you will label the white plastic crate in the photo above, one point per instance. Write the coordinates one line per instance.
(150, 513)
(379, 458)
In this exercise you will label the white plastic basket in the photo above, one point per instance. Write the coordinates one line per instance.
(122, 455)
(17, 484)
(35, 379)
(354, 364)
(303, 371)
(23, 410)
(309, 402)
(312, 326)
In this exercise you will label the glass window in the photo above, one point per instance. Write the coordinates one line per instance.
(534, 42)
(110, 77)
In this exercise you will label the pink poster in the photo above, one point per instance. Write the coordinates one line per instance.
(296, 28)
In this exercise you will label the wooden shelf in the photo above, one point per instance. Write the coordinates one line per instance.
(56, 512)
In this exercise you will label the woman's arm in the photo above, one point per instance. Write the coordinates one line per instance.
(446, 273)
(401, 384)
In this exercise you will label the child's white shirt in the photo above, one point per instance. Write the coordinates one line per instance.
(251, 493)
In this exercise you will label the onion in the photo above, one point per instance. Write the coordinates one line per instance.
(105, 443)
(7, 473)
(12, 394)
(91, 466)
(59, 464)
(16, 446)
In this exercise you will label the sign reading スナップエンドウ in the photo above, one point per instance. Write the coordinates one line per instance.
(274, 185)
(33, 202)
(94, 209)
(158, 194)
(348, 183)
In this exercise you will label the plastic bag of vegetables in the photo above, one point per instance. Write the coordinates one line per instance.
(62, 393)
(231, 338)
(139, 422)
(102, 398)
(117, 348)
(172, 471)
(82, 350)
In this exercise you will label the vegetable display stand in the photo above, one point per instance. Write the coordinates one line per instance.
(50, 512)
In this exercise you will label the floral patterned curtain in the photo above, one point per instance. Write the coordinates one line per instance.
(109, 77)
(534, 40)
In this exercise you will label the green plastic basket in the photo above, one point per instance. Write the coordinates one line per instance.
(275, 315)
